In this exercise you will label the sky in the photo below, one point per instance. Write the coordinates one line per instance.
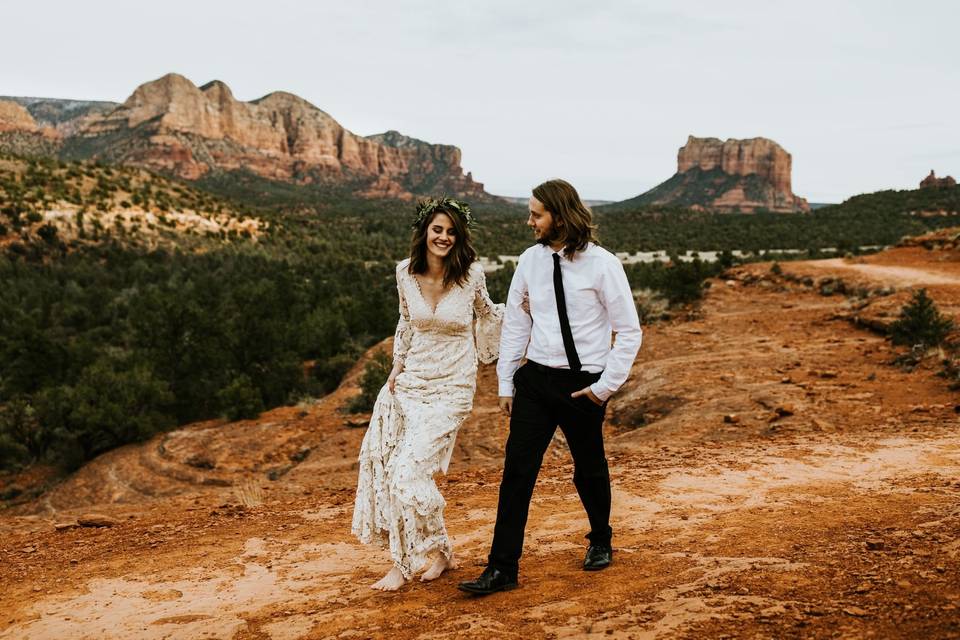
(863, 94)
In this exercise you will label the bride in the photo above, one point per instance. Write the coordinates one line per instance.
(447, 323)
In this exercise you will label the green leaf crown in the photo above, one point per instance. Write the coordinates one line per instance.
(429, 205)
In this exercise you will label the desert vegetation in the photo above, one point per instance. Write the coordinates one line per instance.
(107, 338)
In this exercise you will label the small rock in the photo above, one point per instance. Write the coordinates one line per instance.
(822, 425)
(776, 610)
(63, 526)
(357, 423)
(785, 409)
(855, 611)
(863, 587)
(97, 520)
(874, 544)
(731, 418)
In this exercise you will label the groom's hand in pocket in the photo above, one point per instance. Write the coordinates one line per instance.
(506, 404)
(587, 391)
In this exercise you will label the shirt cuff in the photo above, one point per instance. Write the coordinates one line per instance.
(506, 389)
(603, 394)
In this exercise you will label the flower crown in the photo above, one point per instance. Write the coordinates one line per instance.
(428, 206)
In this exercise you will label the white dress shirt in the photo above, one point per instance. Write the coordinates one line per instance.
(599, 302)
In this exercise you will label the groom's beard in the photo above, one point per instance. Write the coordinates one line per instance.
(548, 239)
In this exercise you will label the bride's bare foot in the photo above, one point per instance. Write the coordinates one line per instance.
(439, 565)
(390, 582)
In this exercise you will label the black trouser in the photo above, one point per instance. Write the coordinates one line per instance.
(542, 402)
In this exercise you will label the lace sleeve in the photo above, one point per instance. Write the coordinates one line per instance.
(404, 332)
(488, 319)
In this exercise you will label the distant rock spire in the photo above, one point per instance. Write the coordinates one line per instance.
(933, 182)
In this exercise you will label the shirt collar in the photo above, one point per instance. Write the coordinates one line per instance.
(549, 250)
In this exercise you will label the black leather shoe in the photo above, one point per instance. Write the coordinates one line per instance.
(599, 556)
(490, 581)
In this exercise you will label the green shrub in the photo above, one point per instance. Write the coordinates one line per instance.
(115, 401)
(13, 455)
(651, 305)
(375, 374)
(21, 439)
(48, 233)
(240, 400)
(327, 372)
(18, 419)
(920, 323)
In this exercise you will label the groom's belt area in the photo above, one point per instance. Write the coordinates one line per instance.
(561, 372)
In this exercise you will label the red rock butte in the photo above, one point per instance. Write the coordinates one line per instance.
(727, 176)
(754, 156)
(173, 126)
(933, 182)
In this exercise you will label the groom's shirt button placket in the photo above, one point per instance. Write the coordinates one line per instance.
(598, 302)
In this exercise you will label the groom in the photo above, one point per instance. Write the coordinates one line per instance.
(578, 297)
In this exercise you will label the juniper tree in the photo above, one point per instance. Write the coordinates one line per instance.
(920, 323)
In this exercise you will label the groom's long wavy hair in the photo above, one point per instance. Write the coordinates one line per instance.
(572, 221)
(458, 260)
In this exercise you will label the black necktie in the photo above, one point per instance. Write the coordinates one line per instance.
(572, 358)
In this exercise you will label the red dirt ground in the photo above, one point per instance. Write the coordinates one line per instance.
(774, 477)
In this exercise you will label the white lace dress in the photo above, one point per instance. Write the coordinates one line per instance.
(412, 431)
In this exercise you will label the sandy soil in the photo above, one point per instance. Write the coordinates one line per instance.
(774, 477)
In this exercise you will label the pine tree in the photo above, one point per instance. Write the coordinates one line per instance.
(920, 323)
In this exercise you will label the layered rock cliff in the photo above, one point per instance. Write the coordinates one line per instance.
(727, 176)
(21, 134)
(66, 117)
(173, 126)
(14, 117)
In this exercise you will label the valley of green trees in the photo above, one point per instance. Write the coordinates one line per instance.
(105, 341)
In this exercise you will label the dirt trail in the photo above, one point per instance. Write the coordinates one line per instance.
(893, 275)
(774, 476)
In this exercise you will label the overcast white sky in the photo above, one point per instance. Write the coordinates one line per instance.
(864, 94)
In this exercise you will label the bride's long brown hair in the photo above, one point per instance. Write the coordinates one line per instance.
(457, 262)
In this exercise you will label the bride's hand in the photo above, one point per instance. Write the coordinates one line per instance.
(392, 379)
(525, 304)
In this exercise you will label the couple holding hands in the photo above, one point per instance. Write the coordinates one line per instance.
(567, 300)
